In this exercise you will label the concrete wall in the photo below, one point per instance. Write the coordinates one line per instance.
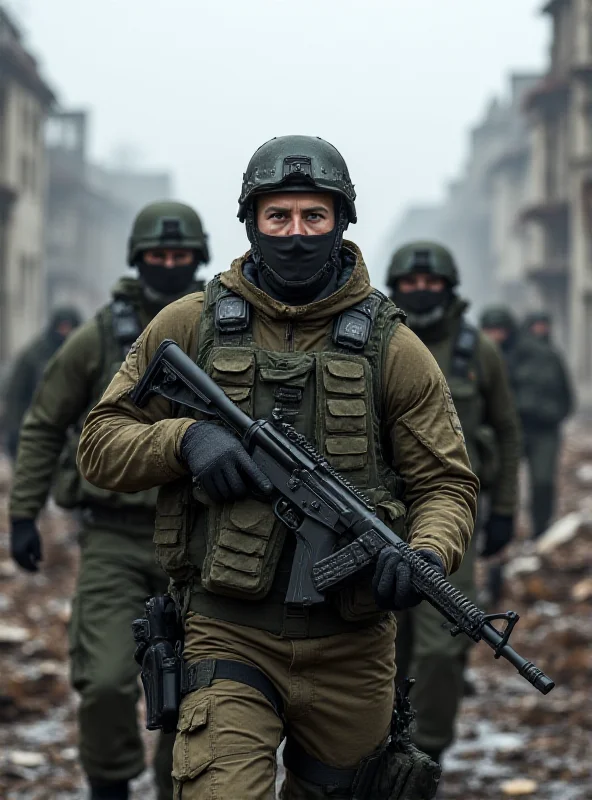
(26, 173)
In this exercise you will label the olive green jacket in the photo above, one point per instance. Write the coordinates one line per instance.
(541, 383)
(123, 448)
(498, 410)
(64, 395)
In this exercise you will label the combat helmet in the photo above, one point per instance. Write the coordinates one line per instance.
(422, 256)
(297, 163)
(498, 316)
(65, 314)
(167, 224)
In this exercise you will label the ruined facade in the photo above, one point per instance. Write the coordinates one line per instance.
(558, 215)
(477, 218)
(25, 99)
(90, 212)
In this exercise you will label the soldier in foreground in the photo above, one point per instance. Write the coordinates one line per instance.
(274, 333)
(544, 399)
(28, 369)
(423, 279)
(117, 569)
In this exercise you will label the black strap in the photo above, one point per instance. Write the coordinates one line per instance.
(353, 327)
(202, 673)
(126, 326)
(464, 350)
(307, 768)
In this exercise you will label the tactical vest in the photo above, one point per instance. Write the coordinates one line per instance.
(119, 327)
(463, 374)
(233, 561)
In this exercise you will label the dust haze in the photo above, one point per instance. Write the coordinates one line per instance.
(195, 87)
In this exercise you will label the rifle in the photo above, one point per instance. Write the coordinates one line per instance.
(321, 507)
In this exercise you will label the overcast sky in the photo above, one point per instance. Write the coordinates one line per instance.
(197, 85)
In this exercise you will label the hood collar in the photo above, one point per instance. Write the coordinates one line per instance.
(355, 289)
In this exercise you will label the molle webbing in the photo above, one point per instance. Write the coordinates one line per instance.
(237, 557)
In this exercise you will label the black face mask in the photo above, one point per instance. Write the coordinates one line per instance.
(297, 267)
(165, 281)
(56, 339)
(420, 302)
(544, 337)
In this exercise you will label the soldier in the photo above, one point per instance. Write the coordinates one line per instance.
(544, 399)
(28, 369)
(499, 324)
(423, 280)
(117, 570)
(276, 334)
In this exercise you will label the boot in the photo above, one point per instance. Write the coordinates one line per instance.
(109, 791)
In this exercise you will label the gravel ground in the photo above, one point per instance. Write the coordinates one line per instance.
(512, 741)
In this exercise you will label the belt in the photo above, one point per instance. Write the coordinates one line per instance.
(110, 517)
(291, 622)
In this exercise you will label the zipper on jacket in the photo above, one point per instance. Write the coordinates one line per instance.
(289, 337)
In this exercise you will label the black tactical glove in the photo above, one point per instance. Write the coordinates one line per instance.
(25, 543)
(499, 532)
(220, 464)
(392, 585)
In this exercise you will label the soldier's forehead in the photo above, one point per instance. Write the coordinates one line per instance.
(296, 198)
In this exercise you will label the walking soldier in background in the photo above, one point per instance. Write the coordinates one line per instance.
(28, 369)
(117, 570)
(423, 280)
(544, 399)
(294, 331)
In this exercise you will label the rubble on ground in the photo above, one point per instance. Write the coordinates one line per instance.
(513, 741)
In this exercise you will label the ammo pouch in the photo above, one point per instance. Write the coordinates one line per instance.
(399, 772)
(244, 544)
(159, 639)
(396, 771)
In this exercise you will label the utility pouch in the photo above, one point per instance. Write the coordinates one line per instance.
(397, 770)
(159, 639)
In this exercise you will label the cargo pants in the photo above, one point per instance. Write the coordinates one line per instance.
(541, 450)
(337, 693)
(117, 573)
(427, 652)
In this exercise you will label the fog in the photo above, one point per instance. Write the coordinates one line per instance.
(196, 86)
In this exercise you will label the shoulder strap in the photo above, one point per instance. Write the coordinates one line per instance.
(226, 320)
(125, 324)
(463, 352)
(353, 327)
(232, 317)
